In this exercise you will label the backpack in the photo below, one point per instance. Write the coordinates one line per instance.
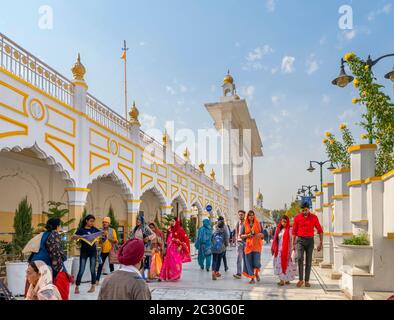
(218, 241)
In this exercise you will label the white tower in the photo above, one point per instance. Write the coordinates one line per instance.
(240, 143)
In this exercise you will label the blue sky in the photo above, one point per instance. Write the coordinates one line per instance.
(282, 55)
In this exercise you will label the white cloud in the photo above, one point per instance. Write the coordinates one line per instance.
(349, 35)
(323, 40)
(182, 88)
(142, 43)
(259, 53)
(325, 99)
(254, 57)
(148, 121)
(312, 65)
(284, 113)
(288, 64)
(274, 70)
(386, 9)
(277, 98)
(170, 90)
(347, 114)
(276, 145)
(270, 5)
(248, 91)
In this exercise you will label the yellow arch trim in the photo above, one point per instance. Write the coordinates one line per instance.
(23, 94)
(73, 133)
(70, 162)
(94, 154)
(23, 132)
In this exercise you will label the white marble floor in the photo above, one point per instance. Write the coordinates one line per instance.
(197, 285)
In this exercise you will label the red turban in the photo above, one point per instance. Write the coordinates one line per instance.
(131, 252)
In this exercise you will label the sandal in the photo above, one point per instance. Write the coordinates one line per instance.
(281, 283)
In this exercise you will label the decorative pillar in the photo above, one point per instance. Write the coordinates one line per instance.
(362, 163)
(76, 204)
(133, 208)
(328, 249)
(135, 125)
(342, 227)
(80, 87)
(318, 210)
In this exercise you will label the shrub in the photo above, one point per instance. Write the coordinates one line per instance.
(357, 240)
(22, 227)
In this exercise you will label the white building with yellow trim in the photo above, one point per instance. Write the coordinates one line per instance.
(58, 142)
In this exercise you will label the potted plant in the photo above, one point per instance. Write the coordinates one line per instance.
(357, 252)
(23, 232)
(59, 210)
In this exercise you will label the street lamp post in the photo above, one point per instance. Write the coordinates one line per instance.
(309, 188)
(321, 164)
(343, 79)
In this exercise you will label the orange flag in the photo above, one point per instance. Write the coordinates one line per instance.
(123, 57)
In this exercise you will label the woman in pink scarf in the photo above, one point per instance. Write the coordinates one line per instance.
(178, 252)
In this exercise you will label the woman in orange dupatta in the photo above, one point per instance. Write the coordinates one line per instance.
(252, 234)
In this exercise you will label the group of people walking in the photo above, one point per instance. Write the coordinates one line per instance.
(289, 245)
(148, 254)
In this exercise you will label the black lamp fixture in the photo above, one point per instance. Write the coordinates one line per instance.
(311, 168)
(390, 75)
(343, 79)
(331, 167)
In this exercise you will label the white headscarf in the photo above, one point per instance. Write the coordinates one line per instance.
(44, 289)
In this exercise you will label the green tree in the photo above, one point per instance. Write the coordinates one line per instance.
(22, 227)
(191, 227)
(59, 210)
(114, 223)
(294, 209)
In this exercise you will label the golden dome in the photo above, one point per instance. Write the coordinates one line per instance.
(259, 196)
(134, 113)
(228, 78)
(78, 69)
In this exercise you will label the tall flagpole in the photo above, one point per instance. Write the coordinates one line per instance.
(124, 57)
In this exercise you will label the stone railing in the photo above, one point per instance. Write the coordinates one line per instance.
(99, 112)
(26, 66)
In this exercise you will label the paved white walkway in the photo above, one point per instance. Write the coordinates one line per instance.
(197, 285)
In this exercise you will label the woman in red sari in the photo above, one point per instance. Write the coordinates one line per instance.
(178, 252)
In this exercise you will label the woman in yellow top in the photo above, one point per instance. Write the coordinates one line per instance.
(108, 239)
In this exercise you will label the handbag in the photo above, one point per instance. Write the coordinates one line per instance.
(113, 255)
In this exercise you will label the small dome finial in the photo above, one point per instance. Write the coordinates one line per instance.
(186, 153)
(165, 137)
(134, 113)
(78, 69)
(228, 78)
(202, 167)
(213, 175)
